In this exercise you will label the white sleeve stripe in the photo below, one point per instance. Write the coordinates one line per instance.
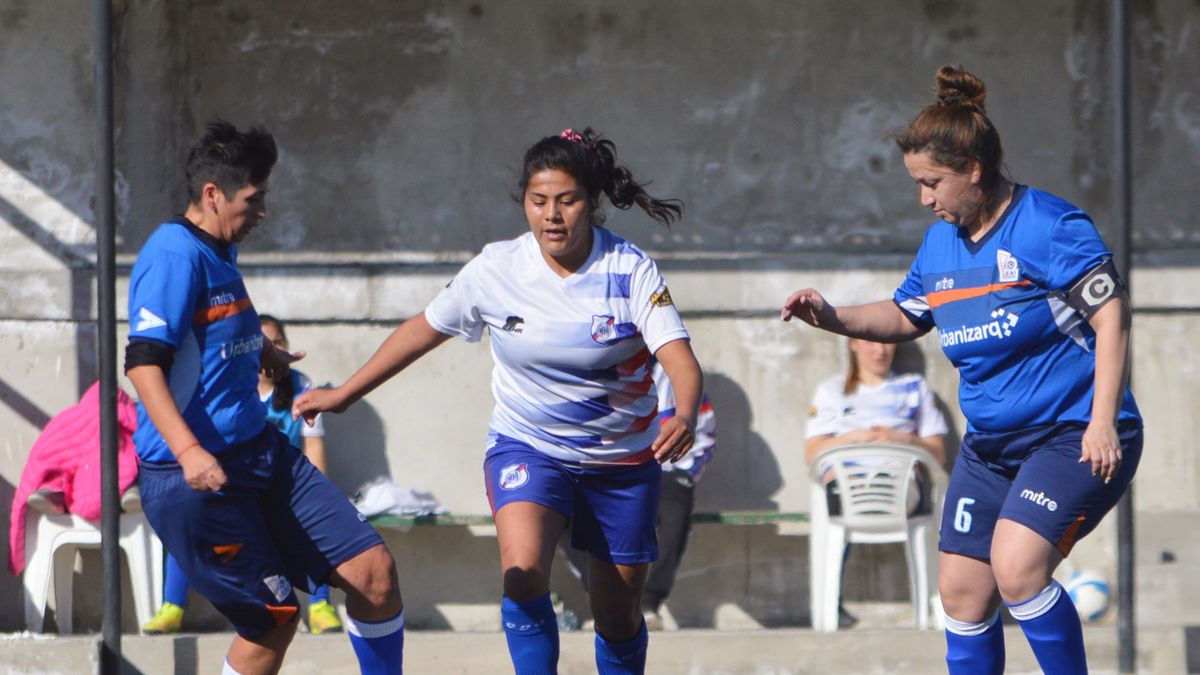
(916, 305)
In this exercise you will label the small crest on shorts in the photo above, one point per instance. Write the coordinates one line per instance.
(279, 586)
(604, 329)
(662, 297)
(1009, 269)
(514, 476)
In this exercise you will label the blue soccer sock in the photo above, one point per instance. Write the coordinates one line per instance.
(379, 645)
(622, 658)
(975, 648)
(532, 633)
(321, 594)
(175, 583)
(1051, 624)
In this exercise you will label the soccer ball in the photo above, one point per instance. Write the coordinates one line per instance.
(1090, 593)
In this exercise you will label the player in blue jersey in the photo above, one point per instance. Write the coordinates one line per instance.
(1030, 309)
(244, 513)
(574, 314)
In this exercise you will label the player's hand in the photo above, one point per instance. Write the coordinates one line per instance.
(1102, 448)
(675, 438)
(275, 362)
(314, 401)
(201, 470)
(810, 307)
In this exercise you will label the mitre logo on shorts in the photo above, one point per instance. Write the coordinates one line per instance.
(604, 329)
(514, 476)
(279, 586)
(1008, 267)
(1040, 499)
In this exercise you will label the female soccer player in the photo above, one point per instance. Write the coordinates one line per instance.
(276, 391)
(1029, 308)
(244, 513)
(574, 313)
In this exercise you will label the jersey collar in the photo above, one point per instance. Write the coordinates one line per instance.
(976, 246)
(219, 247)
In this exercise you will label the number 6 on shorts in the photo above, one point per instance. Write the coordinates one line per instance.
(962, 517)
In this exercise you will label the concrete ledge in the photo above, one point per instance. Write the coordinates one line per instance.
(781, 652)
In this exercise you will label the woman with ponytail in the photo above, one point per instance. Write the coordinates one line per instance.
(574, 313)
(1030, 309)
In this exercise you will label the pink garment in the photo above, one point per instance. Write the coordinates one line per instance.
(66, 458)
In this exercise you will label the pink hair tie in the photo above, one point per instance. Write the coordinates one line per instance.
(573, 136)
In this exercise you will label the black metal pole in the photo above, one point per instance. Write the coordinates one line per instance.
(106, 267)
(1123, 253)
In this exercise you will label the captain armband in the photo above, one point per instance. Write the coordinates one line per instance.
(149, 353)
(1101, 284)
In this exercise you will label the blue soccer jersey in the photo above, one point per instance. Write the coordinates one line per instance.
(1024, 357)
(186, 292)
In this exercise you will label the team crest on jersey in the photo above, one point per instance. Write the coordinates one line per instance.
(661, 297)
(514, 476)
(604, 329)
(1008, 267)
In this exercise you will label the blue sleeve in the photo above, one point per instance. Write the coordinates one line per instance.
(1075, 248)
(163, 289)
(910, 296)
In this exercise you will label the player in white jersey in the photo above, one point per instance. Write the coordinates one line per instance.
(872, 404)
(574, 314)
(1030, 309)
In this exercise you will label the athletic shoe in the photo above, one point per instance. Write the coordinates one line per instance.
(323, 618)
(168, 620)
(654, 620)
(846, 619)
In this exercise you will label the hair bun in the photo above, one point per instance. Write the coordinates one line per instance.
(956, 85)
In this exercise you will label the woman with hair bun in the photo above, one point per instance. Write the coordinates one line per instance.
(574, 314)
(1030, 309)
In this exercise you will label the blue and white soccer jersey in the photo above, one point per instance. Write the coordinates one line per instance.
(705, 442)
(277, 522)
(572, 378)
(1027, 369)
(572, 372)
(187, 293)
(903, 402)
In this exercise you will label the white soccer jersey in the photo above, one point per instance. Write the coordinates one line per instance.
(572, 355)
(706, 426)
(902, 402)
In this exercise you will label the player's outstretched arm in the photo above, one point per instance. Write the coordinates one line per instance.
(879, 321)
(676, 435)
(410, 341)
(1101, 446)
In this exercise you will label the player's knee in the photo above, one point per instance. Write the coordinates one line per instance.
(525, 583)
(965, 602)
(1019, 582)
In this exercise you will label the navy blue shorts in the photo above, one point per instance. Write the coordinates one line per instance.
(1032, 476)
(277, 524)
(613, 509)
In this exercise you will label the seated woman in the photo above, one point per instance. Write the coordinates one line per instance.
(872, 404)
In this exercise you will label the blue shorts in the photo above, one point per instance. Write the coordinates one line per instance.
(613, 509)
(1032, 476)
(277, 523)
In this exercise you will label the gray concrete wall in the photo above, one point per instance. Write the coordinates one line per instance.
(400, 125)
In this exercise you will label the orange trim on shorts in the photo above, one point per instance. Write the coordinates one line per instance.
(227, 552)
(282, 614)
(203, 317)
(1065, 544)
(939, 298)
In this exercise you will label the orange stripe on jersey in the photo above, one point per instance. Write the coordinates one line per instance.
(209, 315)
(1065, 544)
(939, 298)
(282, 614)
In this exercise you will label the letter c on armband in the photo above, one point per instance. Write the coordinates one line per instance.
(1095, 289)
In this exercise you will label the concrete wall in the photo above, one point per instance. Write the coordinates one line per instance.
(400, 125)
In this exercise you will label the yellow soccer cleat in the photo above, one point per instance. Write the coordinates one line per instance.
(168, 620)
(323, 618)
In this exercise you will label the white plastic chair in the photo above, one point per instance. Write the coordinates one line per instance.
(51, 546)
(874, 482)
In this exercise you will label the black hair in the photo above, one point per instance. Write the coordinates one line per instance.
(229, 158)
(285, 391)
(592, 161)
(956, 131)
